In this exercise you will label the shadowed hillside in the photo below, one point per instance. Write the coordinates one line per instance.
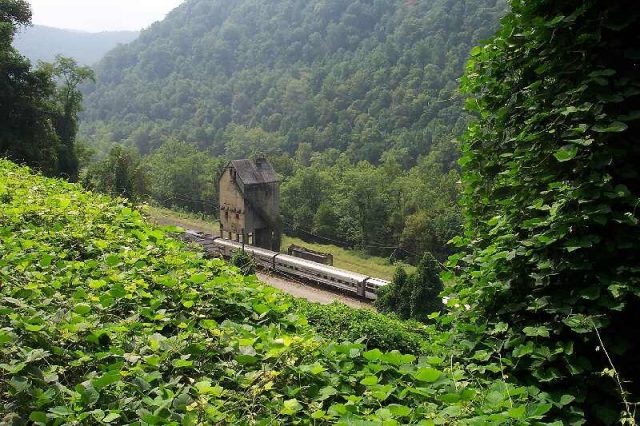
(362, 76)
(40, 43)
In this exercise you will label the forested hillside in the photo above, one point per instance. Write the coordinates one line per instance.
(105, 319)
(41, 43)
(355, 103)
(241, 77)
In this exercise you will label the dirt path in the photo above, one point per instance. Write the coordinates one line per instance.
(311, 293)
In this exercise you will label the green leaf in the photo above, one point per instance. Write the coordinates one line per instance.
(45, 260)
(369, 381)
(198, 278)
(246, 359)
(566, 153)
(111, 417)
(209, 324)
(327, 392)
(290, 407)
(538, 410)
(517, 412)
(38, 417)
(372, 355)
(540, 331)
(6, 337)
(399, 410)
(112, 260)
(615, 127)
(82, 309)
(205, 387)
(106, 380)
(427, 374)
(182, 363)
(61, 411)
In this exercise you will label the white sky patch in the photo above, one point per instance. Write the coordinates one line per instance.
(100, 15)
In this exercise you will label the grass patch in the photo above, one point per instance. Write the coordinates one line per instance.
(352, 260)
(188, 220)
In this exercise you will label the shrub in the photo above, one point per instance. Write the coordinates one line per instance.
(340, 322)
(552, 191)
(243, 261)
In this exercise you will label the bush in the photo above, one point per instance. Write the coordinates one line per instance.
(340, 322)
(243, 261)
(552, 191)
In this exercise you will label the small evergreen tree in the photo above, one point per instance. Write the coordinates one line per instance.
(426, 288)
(416, 295)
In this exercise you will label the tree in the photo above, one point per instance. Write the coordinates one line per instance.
(69, 98)
(427, 286)
(416, 295)
(38, 121)
(551, 196)
(120, 174)
(26, 132)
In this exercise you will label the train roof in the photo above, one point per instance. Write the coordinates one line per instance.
(296, 261)
(321, 267)
(259, 251)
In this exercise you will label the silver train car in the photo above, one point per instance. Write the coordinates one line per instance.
(349, 282)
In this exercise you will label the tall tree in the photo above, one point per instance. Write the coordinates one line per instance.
(26, 131)
(69, 98)
(38, 121)
(552, 196)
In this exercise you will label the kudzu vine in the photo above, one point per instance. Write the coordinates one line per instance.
(551, 194)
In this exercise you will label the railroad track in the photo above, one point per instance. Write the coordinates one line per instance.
(302, 273)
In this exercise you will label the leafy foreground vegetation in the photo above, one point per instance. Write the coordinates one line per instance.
(104, 319)
(552, 190)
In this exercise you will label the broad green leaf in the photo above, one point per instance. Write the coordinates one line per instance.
(369, 381)
(427, 374)
(290, 407)
(566, 153)
(105, 380)
(38, 417)
(615, 127)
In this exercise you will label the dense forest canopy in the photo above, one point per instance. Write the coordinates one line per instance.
(355, 103)
(362, 76)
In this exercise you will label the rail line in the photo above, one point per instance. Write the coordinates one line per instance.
(313, 277)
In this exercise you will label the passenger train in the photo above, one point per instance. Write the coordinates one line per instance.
(349, 282)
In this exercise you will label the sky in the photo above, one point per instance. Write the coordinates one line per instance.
(100, 15)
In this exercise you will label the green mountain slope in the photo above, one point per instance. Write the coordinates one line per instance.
(104, 319)
(41, 43)
(362, 76)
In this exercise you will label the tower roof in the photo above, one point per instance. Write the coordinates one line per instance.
(254, 172)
